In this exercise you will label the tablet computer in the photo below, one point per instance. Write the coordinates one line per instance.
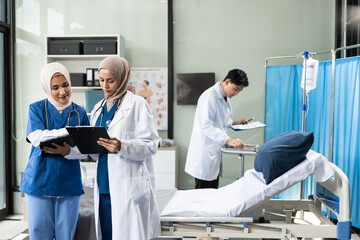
(86, 137)
(59, 140)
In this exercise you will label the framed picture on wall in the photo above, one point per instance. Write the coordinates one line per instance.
(151, 84)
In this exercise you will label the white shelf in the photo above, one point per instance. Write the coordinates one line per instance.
(82, 56)
(79, 63)
(85, 37)
(85, 88)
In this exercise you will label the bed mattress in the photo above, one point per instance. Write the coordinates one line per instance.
(235, 198)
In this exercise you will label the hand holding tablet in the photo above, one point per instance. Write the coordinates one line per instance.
(86, 138)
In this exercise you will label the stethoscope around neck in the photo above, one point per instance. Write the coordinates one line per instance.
(102, 105)
(69, 114)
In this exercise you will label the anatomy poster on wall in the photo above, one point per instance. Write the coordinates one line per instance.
(151, 84)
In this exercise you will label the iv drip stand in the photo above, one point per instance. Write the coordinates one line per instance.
(303, 128)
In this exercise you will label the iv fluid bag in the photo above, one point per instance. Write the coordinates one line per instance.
(312, 67)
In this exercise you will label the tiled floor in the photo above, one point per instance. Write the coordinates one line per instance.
(22, 236)
(13, 228)
(355, 234)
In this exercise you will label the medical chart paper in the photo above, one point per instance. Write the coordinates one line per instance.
(248, 126)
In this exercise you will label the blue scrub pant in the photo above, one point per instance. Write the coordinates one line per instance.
(52, 217)
(105, 216)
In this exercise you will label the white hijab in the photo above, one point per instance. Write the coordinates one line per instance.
(46, 75)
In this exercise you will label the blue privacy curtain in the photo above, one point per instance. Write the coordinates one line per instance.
(346, 151)
(284, 98)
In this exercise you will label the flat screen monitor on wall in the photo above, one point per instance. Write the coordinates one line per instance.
(191, 85)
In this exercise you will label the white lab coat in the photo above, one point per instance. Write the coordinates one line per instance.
(131, 176)
(212, 118)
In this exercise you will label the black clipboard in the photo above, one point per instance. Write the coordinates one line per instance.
(59, 140)
(86, 137)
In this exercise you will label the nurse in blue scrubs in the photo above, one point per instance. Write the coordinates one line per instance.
(52, 183)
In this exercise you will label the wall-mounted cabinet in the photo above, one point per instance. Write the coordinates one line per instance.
(80, 53)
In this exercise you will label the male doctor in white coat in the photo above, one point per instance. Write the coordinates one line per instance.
(212, 118)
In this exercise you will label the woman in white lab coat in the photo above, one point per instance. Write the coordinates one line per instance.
(125, 206)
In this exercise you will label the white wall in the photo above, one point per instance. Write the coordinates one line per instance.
(209, 36)
(216, 36)
(143, 23)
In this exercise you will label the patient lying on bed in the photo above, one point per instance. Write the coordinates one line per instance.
(235, 198)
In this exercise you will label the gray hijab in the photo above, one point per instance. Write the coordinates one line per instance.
(120, 68)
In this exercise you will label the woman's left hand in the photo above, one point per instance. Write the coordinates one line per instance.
(58, 149)
(112, 144)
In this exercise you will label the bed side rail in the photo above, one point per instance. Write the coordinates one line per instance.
(334, 193)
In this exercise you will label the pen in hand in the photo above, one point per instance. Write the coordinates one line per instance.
(244, 121)
(251, 119)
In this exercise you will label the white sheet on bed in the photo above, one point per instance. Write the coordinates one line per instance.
(231, 200)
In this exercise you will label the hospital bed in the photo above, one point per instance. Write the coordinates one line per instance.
(229, 212)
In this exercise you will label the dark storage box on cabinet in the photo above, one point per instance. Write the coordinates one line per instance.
(64, 47)
(99, 47)
(78, 79)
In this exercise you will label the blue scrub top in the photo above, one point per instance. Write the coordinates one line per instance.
(102, 169)
(52, 175)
